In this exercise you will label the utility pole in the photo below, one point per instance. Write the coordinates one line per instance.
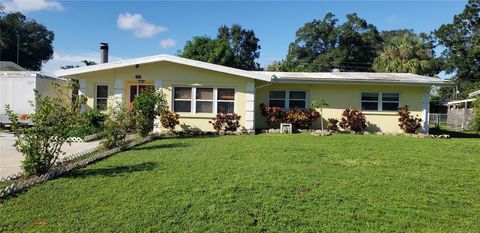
(18, 49)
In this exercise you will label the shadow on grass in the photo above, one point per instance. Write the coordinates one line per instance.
(113, 170)
(161, 146)
(454, 134)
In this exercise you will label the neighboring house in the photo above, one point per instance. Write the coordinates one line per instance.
(10, 66)
(197, 90)
(461, 113)
(16, 90)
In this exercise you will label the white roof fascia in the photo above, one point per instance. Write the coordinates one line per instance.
(161, 58)
(460, 101)
(344, 81)
(475, 93)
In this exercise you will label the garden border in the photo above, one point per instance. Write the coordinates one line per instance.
(63, 166)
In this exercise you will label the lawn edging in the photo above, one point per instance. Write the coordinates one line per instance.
(64, 166)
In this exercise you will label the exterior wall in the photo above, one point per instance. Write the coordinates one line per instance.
(340, 97)
(168, 75)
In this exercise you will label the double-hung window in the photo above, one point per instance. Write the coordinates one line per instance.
(101, 97)
(203, 100)
(380, 101)
(288, 99)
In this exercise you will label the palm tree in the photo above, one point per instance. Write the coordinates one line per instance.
(405, 54)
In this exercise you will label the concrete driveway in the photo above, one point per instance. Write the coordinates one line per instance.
(10, 158)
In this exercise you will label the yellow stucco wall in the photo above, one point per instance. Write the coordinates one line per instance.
(340, 97)
(171, 75)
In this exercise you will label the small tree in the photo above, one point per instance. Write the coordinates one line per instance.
(147, 106)
(320, 104)
(41, 143)
(408, 123)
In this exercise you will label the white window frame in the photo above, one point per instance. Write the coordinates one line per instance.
(101, 98)
(380, 101)
(287, 97)
(193, 106)
(216, 100)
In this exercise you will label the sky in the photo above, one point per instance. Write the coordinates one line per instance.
(143, 28)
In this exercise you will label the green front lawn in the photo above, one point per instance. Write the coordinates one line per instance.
(274, 183)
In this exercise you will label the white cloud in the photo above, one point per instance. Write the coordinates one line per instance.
(167, 43)
(26, 6)
(140, 27)
(64, 59)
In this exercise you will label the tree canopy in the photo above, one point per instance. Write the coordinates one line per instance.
(461, 40)
(234, 47)
(322, 45)
(407, 53)
(33, 39)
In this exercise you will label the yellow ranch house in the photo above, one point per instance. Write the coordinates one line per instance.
(198, 90)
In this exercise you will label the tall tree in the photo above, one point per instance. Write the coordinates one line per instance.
(461, 40)
(322, 45)
(234, 47)
(406, 53)
(33, 41)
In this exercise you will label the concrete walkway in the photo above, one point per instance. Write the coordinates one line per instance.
(10, 158)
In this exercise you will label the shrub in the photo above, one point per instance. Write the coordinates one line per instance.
(353, 120)
(226, 122)
(83, 131)
(148, 105)
(408, 123)
(93, 118)
(116, 124)
(301, 119)
(41, 143)
(476, 115)
(169, 120)
(332, 124)
(273, 115)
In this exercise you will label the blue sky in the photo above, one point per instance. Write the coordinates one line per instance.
(142, 28)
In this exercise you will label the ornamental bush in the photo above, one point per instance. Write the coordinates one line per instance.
(147, 106)
(408, 123)
(226, 122)
(169, 120)
(353, 120)
(273, 115)
(332, 124)
(116, 125)
(41, 143)
(301, 119)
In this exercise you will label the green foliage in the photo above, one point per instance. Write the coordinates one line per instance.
(476, 118)
(41, 143)
(226, 122)
(353, 120)
(234, 47)
(406, 54)
(322, 45)
(34, 38)
(408, 123)
(169, 119)
(147, 106)
(116, 125)
(461, 40)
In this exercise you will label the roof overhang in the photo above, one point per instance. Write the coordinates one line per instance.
(360, 82)
(159, 59)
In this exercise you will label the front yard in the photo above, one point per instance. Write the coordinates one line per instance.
(274, 183)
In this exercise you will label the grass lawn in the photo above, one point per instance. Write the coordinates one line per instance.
(274, 183)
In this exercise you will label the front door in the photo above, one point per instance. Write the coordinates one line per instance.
(135, 90)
